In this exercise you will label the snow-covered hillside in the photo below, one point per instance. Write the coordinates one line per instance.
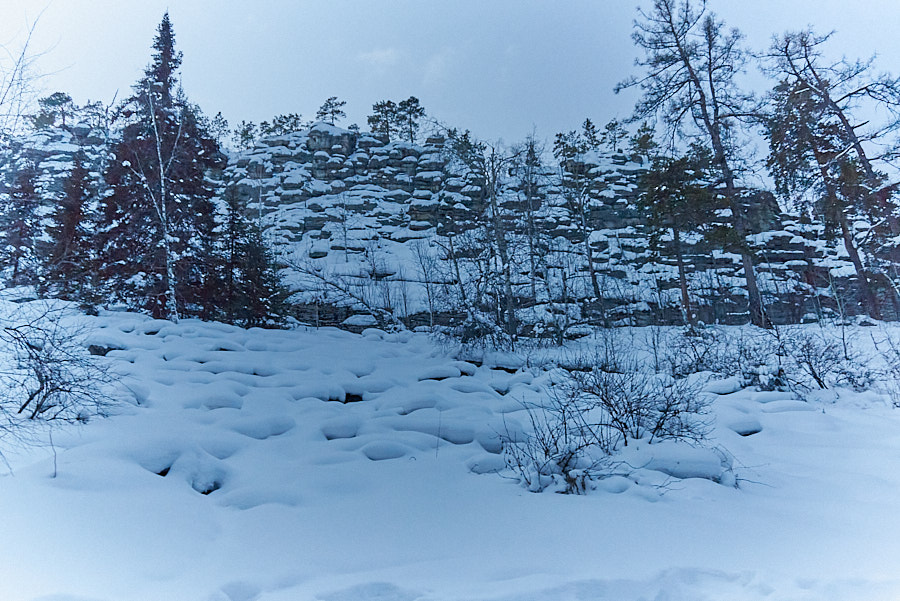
(262, 465)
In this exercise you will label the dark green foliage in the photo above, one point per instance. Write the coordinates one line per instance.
(157, 223)
(244, 135)
(677, 194)
(56, 106)
(67, 257)
(643, 142)
(383, 120)
(390, 118)
(613, 135)
(409, 112)
(252, 294)
(332, 110)
(20, 228)
(282, 124)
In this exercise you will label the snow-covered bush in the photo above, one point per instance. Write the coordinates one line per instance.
(821, 358)
(591, 415)
(749, 352)
(46, 373)
(887, 344)
(799, 357)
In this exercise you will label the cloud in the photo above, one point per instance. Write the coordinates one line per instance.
(439, 66)
(380, 58)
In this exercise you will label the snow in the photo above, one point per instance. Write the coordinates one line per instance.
(324, 465)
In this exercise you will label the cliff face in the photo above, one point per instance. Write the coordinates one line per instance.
(363, 225)
(368, 227)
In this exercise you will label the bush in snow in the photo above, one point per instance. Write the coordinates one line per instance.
(591, 415)
(888, 346)
(820, 358)
(749, 352)
(46, 374)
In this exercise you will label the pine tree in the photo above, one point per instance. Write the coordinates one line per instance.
(409, 112)
(332, 110)
(383, 120)
(282, 124)
(58, 105)
(691, 63)
(808, 161)
(677, 200)
(244, 135)
(158, 219)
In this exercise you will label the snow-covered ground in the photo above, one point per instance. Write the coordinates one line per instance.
(344, 467)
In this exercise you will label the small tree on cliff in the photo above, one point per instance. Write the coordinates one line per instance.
(332, 110)
(409, 112)
(383, 120)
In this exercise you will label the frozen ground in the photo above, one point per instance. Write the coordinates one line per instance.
(341, 467)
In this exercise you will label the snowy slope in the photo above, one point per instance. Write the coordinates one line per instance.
(360, 467)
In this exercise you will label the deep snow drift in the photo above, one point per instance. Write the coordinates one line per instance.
(316, 464)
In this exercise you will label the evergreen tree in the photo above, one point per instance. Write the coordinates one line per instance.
(691, 63)
(244, 135)
(252, 293)
(20, 228)
(613, 134)
(809, 164)
(643, 142)
(677, 200)
(67, 256)
(158, 220)
(409, 112)
(384, 119)
(58, 105)
(282, 124)
(846, 119)
(592, 137)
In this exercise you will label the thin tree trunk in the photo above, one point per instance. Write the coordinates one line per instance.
(865, 287)
(720, 156)
(690, 317)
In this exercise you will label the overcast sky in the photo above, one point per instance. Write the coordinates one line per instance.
(498, 67)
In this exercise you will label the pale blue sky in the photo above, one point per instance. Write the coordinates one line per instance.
(499, 67)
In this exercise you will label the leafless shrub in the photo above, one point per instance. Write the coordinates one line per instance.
(820, 358)
(888, 346)
(558, 450)
(589, 415)
(749, 352)
(46, 373)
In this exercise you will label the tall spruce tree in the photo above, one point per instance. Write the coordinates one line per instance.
(158, 219)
